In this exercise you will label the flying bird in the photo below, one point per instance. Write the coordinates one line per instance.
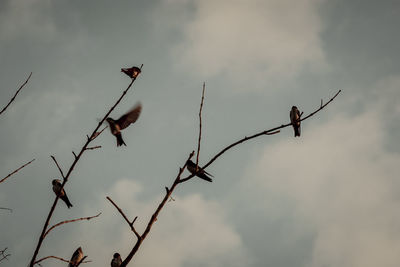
(191, 166)
(60, 192)
(294, 119)
(117, 125)
(116, 261)
(76, 258)
(131, 72)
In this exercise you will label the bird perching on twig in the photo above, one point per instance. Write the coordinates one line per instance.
(191, 166)
(60, 192)
(131, 72)
(295, 120)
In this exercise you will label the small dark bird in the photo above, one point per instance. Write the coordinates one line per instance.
(60, 192)
(191, 166)
(76, 257)
(117, 125)
(131, 72)
(294, 119)
(116, 261)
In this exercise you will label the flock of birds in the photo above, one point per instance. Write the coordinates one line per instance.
(123, 122)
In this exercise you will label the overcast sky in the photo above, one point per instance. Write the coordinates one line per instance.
(328, 198)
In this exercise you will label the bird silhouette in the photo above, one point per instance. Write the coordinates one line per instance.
(117, 125)
(131, 72)
(116, 261)
(60, 192)
(76, 257)
(294, 119)
(191, 166)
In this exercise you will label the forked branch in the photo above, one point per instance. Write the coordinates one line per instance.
(126, 218)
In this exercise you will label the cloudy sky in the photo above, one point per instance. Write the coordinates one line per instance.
(327, 199)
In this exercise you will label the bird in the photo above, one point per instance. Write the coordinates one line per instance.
(76, 257)
(294, 119)
(116, 261)
(60, 192)
(117, 125)
(131, 72)
(191, 166)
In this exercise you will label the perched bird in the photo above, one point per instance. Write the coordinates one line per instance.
(131, 72)
(76, 257)
(117, 125)
(294, 119)
(116, 261)
(60, 192)
(191, 166)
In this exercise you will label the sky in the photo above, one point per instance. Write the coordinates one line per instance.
(329, 198)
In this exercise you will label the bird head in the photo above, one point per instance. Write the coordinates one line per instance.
(109, 120)
(116, 255)
(56, 181)
(294, 108)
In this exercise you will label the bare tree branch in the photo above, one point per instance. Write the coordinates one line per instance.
(96, 134)
(126, 218)
(93, 147)
(178, 180)
(83, 149)
(61, 259)
(58, 166)
(199, 141)
(16, 93)
(26, 164)
(155, 214)
(70, 221)
(3, 255)
(2, 208)
(267, 132)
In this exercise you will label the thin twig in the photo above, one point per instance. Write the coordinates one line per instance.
(83, 149)
(26, 164)
(58, 166)
(82, 261)
(93, 147)
(16, 93)
(126, 218)
(199, 141)
(96, 134)
(70, 221)
(153, 218)
(2, 208)
(59, 258)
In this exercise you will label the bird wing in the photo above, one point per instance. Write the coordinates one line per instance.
(130, 117)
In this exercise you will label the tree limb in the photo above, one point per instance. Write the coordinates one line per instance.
(26, 164)
(83, 149)
(61, 259)
(16, 93)
(70, 221)
(3, 255)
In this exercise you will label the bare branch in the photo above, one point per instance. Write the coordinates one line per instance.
(4, 255)
(71, 168)
(58, 166)
(2, 208)
(70, 221)
(93, 147)
(266, 132)
(126, 218)
(153, 218)
(199, 141)
(16, 93)
(96, 134)
(59, 258)
(26, 164)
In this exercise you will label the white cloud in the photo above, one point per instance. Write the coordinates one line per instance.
(343, 186)
(252, 40)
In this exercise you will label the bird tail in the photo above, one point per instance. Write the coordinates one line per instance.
(205, 177)
(297, 131)
(66, 200)
(120, 141)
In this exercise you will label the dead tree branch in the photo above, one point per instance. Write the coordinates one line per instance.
(16, 93)
(93, 147)
(58, 166)
(4, 255)
(178, 180)
(70, 221)
(60, 259)
(77, 157)
(26, 164)
(126, 218)
(199, 141)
